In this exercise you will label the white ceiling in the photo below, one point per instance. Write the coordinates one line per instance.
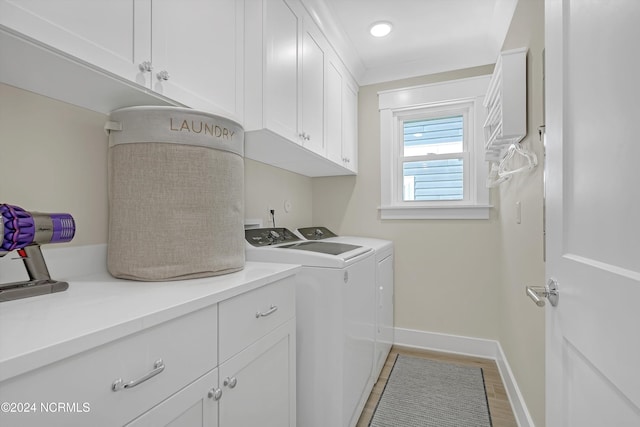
(429, 36)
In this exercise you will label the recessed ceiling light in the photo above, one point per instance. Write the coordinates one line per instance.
(380, 29)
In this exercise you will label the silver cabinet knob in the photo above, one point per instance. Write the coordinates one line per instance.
(230, 382)
(215, 394)
(163, 75)
(145, 67)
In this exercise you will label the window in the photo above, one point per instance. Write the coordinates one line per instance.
(432, 159)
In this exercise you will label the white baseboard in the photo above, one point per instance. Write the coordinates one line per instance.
(478, 347)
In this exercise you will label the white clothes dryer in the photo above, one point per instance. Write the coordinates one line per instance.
(335, 323)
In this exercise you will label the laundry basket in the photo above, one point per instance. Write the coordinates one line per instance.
(176, 200)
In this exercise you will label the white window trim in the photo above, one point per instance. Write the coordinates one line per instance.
(398, 103)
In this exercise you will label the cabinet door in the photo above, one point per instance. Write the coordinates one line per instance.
(333, 110)
(113, 35)
(282, 26)
(312, 90)
(198, 54)
(194, 406)
(350, 127)
(260, 382)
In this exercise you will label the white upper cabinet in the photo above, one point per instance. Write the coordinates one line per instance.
(263, 63)
(196, 53)
(289, 87)
(333, 90)
(114, 35)
(274, 93)
(350, 126)
(341, 112)
(312, 99)
(188, 52)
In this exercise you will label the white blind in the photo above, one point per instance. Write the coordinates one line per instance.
(440, 178)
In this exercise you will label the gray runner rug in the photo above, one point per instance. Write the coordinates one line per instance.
(429, 393)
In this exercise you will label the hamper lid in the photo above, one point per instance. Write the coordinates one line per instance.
(174, 125)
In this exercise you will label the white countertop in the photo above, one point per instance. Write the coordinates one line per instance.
(98, 308)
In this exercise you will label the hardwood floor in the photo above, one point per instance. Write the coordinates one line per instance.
(499, 406)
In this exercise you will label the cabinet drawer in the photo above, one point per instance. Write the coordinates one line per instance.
(250, 316)
(78, 391)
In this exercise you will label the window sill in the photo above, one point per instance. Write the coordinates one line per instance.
(435, 212)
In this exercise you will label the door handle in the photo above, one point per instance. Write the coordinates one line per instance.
(539, 293)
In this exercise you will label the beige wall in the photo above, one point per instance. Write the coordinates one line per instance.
(54, 158)
(522, 331)
(433, 292)
(267, 188)
(486, 297)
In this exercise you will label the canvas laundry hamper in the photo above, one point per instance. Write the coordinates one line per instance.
(176, 194)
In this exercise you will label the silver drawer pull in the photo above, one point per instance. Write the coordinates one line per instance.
(271, 310)
(119, 384)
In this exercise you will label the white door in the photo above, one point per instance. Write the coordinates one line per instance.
(282, 26)
(194, 406)
(593, 206)
(350, 127)
(333, 111)
(197, 53)
(113, 35)
(312, 99)
(258, 384)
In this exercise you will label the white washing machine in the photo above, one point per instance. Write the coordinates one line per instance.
(335, 327)
(384, 287)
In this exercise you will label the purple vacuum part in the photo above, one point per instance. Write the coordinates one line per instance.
(64, 227)
(21, 228)
(18, 228)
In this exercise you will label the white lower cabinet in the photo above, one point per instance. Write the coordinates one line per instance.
(257, 348)
(194, 406)
(114, 383)
(259, 385)
(170, 374)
